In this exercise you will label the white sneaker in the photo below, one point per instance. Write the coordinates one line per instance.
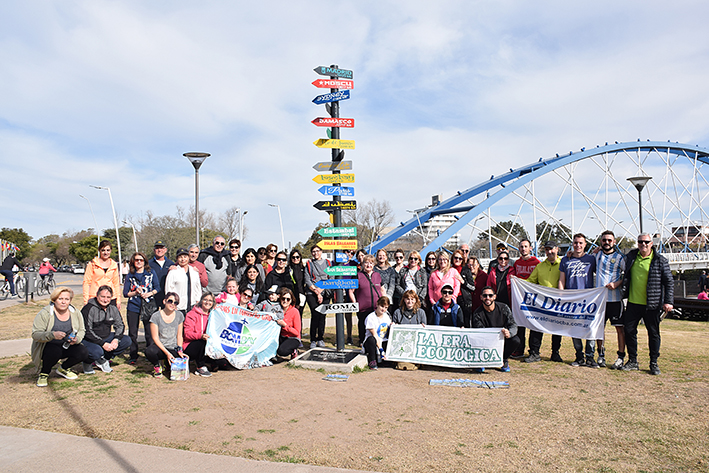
(321, 343)
(105, 366)
(313, 345)
(88, 368)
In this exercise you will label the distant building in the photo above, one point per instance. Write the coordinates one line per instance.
(695, 236)
(437, 224)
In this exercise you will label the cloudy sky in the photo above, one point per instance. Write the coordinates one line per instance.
(446, 93)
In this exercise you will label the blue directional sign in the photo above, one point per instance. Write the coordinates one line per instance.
(333, 72)
(338, 284)
(335, 190)
(335, 97)
(341, 257)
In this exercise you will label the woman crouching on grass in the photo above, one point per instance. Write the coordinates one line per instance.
(377, 325)
(289, 340)
(57, 332)
(196, 336)
(166, 327)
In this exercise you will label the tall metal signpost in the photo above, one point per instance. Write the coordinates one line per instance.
(340, 83)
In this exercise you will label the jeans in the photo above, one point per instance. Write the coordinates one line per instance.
(590, 348)
(651, 317)
(535, 342)
(96, 351)
(10, 276)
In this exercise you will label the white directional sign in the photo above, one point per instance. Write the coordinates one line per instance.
(346, 307)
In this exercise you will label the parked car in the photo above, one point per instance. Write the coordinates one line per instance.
(65, 268)
(77, 269)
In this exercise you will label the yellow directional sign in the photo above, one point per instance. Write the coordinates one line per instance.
(341, 144)
(338, 244)
(334, 178)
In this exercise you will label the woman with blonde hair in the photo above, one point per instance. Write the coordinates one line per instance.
(443, 275)
(413, 277)
(57, 332)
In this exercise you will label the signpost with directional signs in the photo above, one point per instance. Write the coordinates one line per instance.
(340, 82)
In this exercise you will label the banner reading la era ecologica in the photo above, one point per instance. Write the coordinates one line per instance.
(446, 346)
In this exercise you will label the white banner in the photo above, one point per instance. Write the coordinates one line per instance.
(245, 338)
(446, 346)
(577, 313)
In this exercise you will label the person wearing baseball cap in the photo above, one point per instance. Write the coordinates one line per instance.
(161, 264)
(446, 312)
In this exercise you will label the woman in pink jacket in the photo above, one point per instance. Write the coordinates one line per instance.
(443, 275)
(195, 340)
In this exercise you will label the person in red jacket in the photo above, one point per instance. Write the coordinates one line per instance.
(195, 339)
(289, 340)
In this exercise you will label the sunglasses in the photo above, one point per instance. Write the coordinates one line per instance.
(246, 294)
(607, 240)
(457, 257)
(430, 259)
(220, 243)
(502, 259)
(170, 301)
(398, 257)
(271, 251)
(139, 260)
(447, 292)
(487, 296)
(295, 257)
(413, 259)
(234, 247)
(644, 242)
(282, 259)
(285, 298)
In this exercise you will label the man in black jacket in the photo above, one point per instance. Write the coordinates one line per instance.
(649, 287)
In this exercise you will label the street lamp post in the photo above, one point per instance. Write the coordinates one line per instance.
(639, 182)
(283, 237)
(98, 238)
(241, 226)
(196, 159)
(115, 221)
(135, 240)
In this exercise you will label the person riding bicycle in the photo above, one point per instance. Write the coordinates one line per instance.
(6, 269)
(45, 268)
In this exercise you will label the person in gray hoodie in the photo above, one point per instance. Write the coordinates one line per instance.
(104, 337)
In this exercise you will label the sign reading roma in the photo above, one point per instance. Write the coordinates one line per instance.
(446, 346)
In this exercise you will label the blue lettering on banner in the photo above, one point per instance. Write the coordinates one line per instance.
(554, 307)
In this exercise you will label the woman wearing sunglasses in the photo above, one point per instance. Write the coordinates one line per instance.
(413, 277)
(499, 278)
(443, 275)
(295, 263)
(289, 340)
(280, 276)
(195, 341)
(166, 327)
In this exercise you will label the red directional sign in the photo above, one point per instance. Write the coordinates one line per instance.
(333, 84)
(336, 122)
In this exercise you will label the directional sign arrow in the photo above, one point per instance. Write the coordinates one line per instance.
(346, 307)
(329, 205)
(337, 190)
(333, 84)
(333, 97)
(341, 257)
(338, 232)
(333, 166)
(334, 122)
(337, 284)
(341, 144)
(338, 244)
(334, 178)
(333, 72)
(341, 270)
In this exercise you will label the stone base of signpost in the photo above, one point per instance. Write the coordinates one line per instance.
(331, 360)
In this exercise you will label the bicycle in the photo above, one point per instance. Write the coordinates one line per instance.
(4, 290)
(19, 283)
(46, 284)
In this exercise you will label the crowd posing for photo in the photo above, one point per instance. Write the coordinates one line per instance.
(173, 300)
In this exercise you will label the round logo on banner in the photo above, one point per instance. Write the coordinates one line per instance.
(236, 338)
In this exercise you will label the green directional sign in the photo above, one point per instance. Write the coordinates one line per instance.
(338, 232)
(341, 270)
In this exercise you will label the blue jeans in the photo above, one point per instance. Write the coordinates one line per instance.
(590, 348)
(10, 276)
(96, 351)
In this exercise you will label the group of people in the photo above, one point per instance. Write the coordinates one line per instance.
(173, 299)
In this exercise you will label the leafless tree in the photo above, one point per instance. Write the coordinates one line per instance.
(370, 218)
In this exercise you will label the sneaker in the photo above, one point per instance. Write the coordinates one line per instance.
(617, 365)
(321, 343)
(602, 361)
(533, 358)
(203, 371)
(88, 368)
(104, 365)
(349, 341)
(654, 369)
(294, 355)
(313, 345)
(373, 365)
(556, 357)
(133, 361)
(517, 355)
(42, 380)
(578, 362)
(66, 373)
(631, 365)
(478, 370)
(591, 363)
(157, 372)
(505, 367)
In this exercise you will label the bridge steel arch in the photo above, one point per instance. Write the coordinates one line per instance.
(497, 188)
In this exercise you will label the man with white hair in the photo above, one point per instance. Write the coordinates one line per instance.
(217, 262)
(649, 287)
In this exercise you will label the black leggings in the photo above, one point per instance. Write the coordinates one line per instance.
(195, 350)
(371, 349)
(133, 325)
(287, 345)
(155, 354)
(54, 352)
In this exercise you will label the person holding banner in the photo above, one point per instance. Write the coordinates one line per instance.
(545, 274)
(377, 323)
(195, 340)
(493, 314)
(446, 312)
(523, 267)
(576, 272)
(649, 287)
(289, 339)
(610, 266)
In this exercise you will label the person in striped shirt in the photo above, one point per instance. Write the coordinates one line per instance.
(610, 266)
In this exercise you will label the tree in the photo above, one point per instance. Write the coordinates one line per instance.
(18, 237)
(370, 218)
(304, 248)
(230, 223)
(127, 245)
(553, 231)
(85, 249)
(504, 232)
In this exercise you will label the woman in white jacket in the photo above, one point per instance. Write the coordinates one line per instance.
(183, 280)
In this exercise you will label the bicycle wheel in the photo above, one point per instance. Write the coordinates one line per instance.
(4, 291)
(40, 288)
(51, 285)
(20, 285)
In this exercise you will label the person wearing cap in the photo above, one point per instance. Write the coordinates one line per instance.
(184, 281)
(492, 314)
(271, 303)
(217, 262)
(545, 274)
(161, 264)
(45, 268)
(499, 248)
(446, 312)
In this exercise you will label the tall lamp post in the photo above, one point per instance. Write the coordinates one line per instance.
(640, 182)
(196, 159)
(115, 221)
(241, 226)
(135, 240)
(283, 237)
(98, 238)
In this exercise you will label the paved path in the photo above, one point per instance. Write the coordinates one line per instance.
(74, 281)
(23, 450)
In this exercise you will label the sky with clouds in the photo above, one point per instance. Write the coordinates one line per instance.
(446, 94)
